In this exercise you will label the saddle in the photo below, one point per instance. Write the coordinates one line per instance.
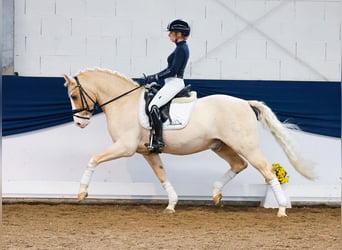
(165, 109)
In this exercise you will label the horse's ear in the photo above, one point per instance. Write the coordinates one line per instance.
(67, 80)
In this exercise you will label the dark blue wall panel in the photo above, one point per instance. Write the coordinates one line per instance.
(31, 103)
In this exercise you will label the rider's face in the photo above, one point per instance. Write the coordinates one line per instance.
(175, 36)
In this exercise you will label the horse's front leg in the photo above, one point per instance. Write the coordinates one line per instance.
(157, 166)
(115, 151)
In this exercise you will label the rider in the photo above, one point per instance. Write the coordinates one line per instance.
(179, 31)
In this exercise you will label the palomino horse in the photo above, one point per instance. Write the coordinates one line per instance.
(222, 123)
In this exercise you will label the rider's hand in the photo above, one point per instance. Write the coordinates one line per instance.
(150, 78)
(150, 85)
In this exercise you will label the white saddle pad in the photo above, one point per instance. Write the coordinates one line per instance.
(179, 114)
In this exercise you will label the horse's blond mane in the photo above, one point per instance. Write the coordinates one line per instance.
(108, 71)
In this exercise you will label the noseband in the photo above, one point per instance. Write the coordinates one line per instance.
(85, 105)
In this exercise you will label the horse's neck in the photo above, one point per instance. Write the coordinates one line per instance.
(122, 116)
(107, 87)
(122, 106)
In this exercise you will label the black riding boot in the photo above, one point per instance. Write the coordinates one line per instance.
(157, 126)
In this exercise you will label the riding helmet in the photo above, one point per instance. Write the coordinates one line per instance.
(180, 26)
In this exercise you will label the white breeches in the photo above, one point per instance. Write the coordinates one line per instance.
(171, 88)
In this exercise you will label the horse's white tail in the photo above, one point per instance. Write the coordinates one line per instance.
(279, 131)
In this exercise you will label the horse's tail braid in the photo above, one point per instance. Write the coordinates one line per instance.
(279, 131)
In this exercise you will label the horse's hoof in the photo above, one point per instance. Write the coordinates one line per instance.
(281, 212)
(280, 215)
(217, 198)
(82, 196)
(169, 211)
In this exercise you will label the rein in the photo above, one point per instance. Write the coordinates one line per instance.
(85, 105)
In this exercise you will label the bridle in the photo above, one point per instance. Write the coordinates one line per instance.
(85, 105)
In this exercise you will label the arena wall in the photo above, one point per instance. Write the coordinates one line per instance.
(230, 39)
(261, 39)
(49, 164)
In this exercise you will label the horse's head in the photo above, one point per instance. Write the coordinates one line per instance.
(82, 102)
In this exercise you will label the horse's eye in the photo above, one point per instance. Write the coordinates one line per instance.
(74, 97)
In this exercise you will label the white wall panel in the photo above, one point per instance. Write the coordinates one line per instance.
(224, 53)
(315, 31)
(331, 48)
(189, 10)
(265, 69)
(311, 51)
(138, 10)
(101, 46)
(214, 11)
(316, 13)
(135, 48)
(212, 30)
(49, 64)
(28, 25)
(280, 10)
(284, 50)
(233, 69)
(329, 68)
(116, 27)
(38, 45)
(69, 8)
(145, 65)
(56, 26)
(100, 8)
(198, 48)
(251, 10)
(157, 50)
(292, 70)
(148, 27)
(208, 68)
(20, 46)
(255, 69)
(123, 64)
(251, 49)
(83, 27)
(79, 63)
(39, 7)
(216, 26)
(71, 45)
(27, 64)
(333, 10)
(20, 8)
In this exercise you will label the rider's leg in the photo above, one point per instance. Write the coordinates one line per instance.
(157, 125)
(171, 87)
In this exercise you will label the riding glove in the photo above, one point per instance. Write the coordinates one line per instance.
(151, 78)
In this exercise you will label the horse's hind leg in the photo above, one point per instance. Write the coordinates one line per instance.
(157, 166)
(265, 168)
(237, 164)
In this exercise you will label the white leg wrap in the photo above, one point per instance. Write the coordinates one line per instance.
(227, 177)
(88, 173)
(278, 192)
(173, 197)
